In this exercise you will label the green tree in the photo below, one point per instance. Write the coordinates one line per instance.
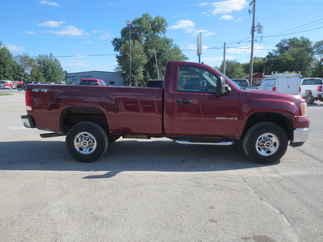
(318, 48)
(293, 55)
(318, 68)
(234, 69)
(147, 37)
(48, 69)
(8, 66)
(138, 62)
(259, 65)
(36, 75)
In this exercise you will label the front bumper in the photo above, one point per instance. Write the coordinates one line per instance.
(300, 136)
(28, 121)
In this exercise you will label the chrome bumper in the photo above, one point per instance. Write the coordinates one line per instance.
(28, 121)
(300, 136)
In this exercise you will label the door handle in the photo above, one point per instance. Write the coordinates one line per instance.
(184, 101)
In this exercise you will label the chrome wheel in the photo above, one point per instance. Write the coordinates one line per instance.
(267, 144)
(85, 143)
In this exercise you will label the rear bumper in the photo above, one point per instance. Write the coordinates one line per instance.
(28, 121)
(300, 136)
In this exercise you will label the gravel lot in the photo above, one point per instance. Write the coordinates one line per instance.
(155, 190)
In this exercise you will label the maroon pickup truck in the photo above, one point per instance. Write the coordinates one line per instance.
(197, 104)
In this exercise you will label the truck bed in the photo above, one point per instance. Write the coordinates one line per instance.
(128, 109)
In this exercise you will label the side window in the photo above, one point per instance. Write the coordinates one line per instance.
(194, 79)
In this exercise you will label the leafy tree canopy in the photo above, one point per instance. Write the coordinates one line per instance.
(150, 49)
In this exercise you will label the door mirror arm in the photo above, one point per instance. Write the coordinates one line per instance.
(222, 87)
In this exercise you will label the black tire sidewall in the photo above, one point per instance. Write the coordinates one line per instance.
(99, 134)
(250, 139)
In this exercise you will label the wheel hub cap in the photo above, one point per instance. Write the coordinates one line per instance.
(267, 144)
(85, 143)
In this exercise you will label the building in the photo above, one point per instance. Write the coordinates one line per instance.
(111, 78)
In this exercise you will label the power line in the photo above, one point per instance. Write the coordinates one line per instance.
(297, 32)
(79, 56)
(319, 20)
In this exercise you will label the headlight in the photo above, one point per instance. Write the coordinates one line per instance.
(303, 109)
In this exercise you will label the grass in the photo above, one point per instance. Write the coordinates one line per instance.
(5, 94)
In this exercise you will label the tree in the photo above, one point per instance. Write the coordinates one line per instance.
(48, 69)
(138, 62)
(147, 37)
(318, 48)
(293, 55)
(234, 69)
(8, 66)
(318, 63)
(259, 65)
(318, 68)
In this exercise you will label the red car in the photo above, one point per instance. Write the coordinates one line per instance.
(7, 84)
(92, 82)
(196, 104)
(19, 84)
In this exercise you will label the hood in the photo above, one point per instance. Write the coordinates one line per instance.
(273, 95)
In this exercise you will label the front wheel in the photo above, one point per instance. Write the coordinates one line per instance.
(265, 142)
(87, 141)
(309, 99)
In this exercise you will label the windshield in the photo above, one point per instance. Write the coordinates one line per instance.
(312, 82)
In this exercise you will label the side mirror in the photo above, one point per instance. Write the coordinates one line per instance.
(222, 87)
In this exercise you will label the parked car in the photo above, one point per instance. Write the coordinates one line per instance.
(312, 89)
(92, 82)
(197, 105)
(7, 84)
(282, 83)
(243, 83)
(19, 84)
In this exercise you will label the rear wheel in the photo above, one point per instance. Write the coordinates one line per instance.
(87, 141)
(265, 142)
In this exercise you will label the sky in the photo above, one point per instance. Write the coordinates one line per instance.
(77, 31)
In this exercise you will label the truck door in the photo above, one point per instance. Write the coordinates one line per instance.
(194, 109)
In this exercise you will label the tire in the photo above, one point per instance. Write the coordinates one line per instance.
(87, 141)
(254, 143)
(309, 99)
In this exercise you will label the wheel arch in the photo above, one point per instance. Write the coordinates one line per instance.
(280, 119)
(75, 114)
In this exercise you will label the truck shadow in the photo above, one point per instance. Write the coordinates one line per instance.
(124, 155)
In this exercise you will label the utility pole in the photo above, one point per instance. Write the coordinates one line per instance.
(253, 30)
(199, 46)
(130, 53)
(224, 58)
(157, 67)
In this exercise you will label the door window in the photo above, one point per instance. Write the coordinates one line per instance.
(194, 79)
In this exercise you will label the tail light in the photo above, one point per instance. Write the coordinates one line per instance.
(274, 89)
(29, 100)
(320, 88)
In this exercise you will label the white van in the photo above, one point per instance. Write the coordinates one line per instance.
(283, 83)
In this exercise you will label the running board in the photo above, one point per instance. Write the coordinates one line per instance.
(184, 142)
(50, 135)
